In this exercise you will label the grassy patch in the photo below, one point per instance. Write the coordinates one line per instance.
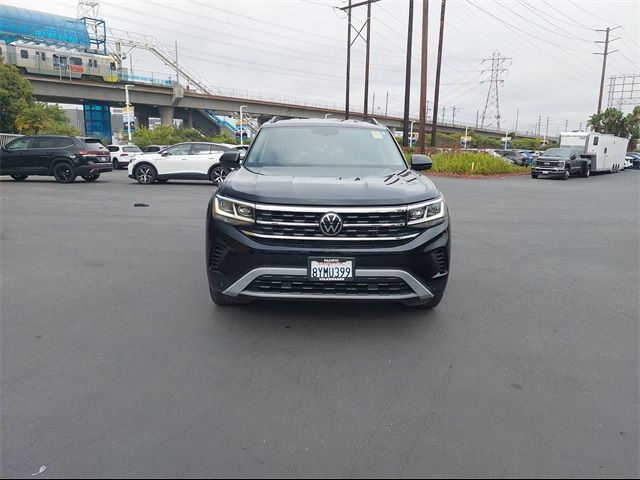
(472, 163)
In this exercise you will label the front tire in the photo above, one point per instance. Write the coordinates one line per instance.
(64, 173)
(145, 174)
(92, 177)
(20, 177)
(566, 175)
(534, 175)
(218, 174)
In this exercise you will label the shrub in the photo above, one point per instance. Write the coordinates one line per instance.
(472, 163)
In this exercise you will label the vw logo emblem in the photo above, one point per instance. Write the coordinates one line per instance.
(331, 224)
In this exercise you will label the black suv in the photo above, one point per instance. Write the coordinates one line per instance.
(62, 157)
(327, 210)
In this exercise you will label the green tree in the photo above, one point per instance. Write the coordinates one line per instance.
(165, 135)
(610, 121)
(16, 95)
(615, 122)
(42, 118)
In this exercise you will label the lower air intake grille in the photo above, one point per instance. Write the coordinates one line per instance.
(361, 286)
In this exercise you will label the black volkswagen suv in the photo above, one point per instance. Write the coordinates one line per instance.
(327, 210)
(62, 157)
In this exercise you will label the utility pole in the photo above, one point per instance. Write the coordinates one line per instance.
(366, 68)
(346, 105)
(443, 110)
(407, 83)
(604, 61)
(386, 106)
(517, 117)
(348, 8)
(539, 125)
(423, 76)
(580, 129)
(436, 97)
(453, 116)
(566, 125)
(477, 116)
(373, 104)
(546, 133)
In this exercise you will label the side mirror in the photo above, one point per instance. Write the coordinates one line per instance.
(230, 160)
(421, 162)
(573, 157)
(165, 154)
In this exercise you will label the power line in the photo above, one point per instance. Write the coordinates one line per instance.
(555, 32)
(528, 33)
(573, 21)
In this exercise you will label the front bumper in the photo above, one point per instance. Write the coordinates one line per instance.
(548, 171)
(245, 269)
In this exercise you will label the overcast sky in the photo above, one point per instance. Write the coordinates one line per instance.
(297, 48)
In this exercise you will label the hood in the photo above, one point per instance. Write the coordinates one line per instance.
(396, 189)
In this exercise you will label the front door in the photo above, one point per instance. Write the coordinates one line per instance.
(173, 161)
(13, 158)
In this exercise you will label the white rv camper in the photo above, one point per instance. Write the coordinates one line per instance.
(605, 151)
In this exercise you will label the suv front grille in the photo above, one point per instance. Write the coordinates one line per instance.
(362, 286)
(379, 225)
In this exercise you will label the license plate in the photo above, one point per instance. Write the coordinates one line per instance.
(331, 269)
(545, 173)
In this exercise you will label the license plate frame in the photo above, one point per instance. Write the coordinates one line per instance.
(328, 262)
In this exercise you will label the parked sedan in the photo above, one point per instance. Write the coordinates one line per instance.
(184, 161)
(121, 155)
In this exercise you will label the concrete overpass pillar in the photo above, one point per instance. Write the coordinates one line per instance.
(166, 116)
(143, 120)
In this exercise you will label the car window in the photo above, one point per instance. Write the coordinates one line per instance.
(93, 142)
(112, 149)
(179, 149)
(218, 148)
(18, 144)
(44, 142)
(201, 149)
(131, 149)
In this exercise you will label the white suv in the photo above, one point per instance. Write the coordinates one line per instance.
(122, 155)
(184, 161)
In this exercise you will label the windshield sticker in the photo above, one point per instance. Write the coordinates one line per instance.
(376, 134)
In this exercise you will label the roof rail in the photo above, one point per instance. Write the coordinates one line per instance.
(371, 120)
(275, 119)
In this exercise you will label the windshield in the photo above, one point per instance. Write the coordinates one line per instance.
(321, 151)
(557, 152)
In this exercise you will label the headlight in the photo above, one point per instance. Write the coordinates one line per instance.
(534, 163)
(234, 211)
(561, 164)
(427, 214)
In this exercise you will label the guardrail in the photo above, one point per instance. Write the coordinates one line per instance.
(7, 137)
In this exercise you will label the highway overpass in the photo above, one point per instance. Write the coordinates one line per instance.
(168, 103)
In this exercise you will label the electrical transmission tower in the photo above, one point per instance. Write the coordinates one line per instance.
(89, 13)
(88, 9)
(491, 110)
(624, 90)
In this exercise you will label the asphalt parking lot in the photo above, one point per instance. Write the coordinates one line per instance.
(115, 362)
